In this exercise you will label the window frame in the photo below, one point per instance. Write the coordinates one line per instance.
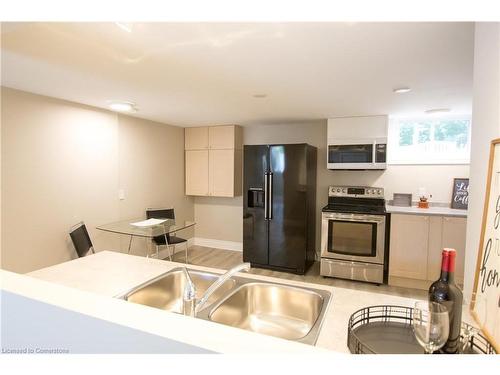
(393, 139)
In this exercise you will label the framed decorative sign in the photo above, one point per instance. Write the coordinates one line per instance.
(485, 302)
(460, 196)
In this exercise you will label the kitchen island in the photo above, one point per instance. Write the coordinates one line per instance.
(88, 286)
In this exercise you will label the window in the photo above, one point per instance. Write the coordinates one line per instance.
(443, 140)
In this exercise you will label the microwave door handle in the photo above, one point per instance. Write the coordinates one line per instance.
(374, 152)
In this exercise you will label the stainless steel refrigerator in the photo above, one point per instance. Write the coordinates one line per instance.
(279, 209)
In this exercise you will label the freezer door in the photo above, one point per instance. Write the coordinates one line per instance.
(255, 198)
(287, 206)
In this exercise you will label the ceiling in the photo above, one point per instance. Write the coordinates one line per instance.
(190, 74)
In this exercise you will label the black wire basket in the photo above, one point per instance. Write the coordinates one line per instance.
(388, 330)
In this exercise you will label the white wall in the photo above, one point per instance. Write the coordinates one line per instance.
(63, 163)
(438, 179)
(485, 127)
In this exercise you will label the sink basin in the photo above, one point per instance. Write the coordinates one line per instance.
(271, 309)
(165, 292)
(275, 309)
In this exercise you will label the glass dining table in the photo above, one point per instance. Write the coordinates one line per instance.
(165, 228)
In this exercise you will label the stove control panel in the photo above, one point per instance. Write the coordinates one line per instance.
(356, 192)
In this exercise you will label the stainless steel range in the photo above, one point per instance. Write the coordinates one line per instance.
(353, 234)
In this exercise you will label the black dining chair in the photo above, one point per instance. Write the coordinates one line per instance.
(81, 239)
(169, 240)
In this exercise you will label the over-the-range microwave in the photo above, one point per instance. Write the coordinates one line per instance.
(359, 153)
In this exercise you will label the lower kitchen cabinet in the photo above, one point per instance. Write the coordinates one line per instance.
(415, 248)
(450, 232)
(409, 243)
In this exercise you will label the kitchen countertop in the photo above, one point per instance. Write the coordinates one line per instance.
(107, 274)
(432, 210)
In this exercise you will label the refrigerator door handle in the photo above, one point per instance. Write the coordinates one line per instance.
(266, 195)
(270, 204)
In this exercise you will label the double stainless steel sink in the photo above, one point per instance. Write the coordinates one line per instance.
(274, 309)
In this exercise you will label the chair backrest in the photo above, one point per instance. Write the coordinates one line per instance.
(160, 213)
(81, 239)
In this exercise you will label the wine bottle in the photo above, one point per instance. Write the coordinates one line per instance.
(445, 291)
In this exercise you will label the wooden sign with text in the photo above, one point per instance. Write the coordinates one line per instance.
(460, 196)
(486, 306)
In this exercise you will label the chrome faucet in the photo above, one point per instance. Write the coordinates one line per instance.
(191, 305)
(189, 295)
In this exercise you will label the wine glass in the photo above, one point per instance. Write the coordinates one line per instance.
(431, 325)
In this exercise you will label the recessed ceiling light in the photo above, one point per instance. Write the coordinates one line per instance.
(122, 106)
(401, 90)
(259, 96)
(437, 110)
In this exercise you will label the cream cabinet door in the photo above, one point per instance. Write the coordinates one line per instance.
(408, 246)
(197, 172)
(221, 137)
(454, 231)
(435, 247)
(196, 138)
(221, 173)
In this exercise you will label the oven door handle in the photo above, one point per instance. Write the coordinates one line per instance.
(356, 218)
(357, 264)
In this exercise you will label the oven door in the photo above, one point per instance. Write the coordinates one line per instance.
(353, 237)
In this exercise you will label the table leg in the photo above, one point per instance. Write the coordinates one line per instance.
(149, 244)
(130, 244)
(168, 247)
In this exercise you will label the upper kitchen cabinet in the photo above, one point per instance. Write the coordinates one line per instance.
(214, 161)
(358, 127)
(196, 138)
(225, 137)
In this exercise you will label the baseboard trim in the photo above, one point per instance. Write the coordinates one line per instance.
(218, 244)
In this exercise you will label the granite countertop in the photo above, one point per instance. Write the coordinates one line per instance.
(432, 210)
(107, 274)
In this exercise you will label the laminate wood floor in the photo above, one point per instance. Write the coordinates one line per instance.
(226, 259)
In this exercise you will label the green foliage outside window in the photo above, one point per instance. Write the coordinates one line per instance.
(452, 130)
(406, 135)
(445, 130)
(424, 133)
